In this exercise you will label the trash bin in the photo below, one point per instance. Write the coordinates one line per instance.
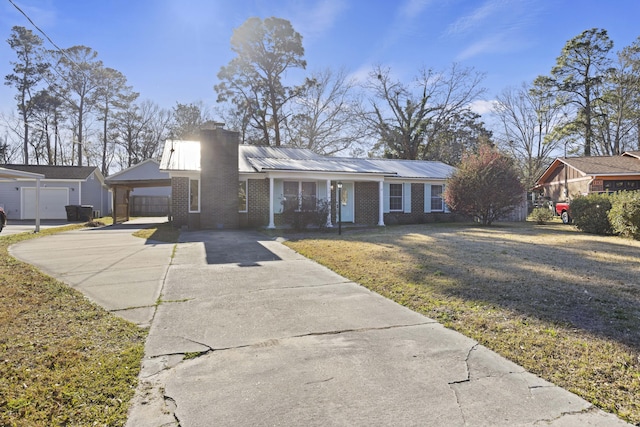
(85, 213)
(72, 212)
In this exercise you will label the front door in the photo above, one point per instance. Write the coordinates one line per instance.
(346, 203)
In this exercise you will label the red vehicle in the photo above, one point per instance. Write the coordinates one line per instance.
(562, 209)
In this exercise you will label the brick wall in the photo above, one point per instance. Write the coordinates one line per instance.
(219, 179)
(180, 205)
(180, 201)
(366, 204)
(258, 202)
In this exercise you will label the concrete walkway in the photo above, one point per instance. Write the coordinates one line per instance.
(250, 333)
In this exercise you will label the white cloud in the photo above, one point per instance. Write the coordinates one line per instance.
(483, 107)
(412, 8)
(479, 17)
(313, 22)
(361, 74)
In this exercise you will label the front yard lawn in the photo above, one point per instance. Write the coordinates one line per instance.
(63, 360)
(563, 304)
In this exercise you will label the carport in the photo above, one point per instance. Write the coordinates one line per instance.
(122, 189)
(9, 174)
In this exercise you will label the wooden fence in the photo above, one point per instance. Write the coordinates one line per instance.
(149, 206)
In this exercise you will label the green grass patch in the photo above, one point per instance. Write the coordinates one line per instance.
(64, 360)
(164, 232)
(563, 304)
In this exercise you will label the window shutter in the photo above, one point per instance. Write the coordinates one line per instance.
(427, 198)
(406, 196)
(321, 190)
(385, 196)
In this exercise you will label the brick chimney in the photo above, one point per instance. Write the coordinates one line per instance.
(219, 177)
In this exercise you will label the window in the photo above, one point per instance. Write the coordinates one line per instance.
(194, 195)
(299, 195)
(395, 197)
(436, 198)
(242, 196)
(308, 196)
(290, 190)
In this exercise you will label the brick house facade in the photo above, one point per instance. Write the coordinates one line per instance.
(218, 183)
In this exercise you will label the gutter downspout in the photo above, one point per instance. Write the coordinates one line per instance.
(381, 204)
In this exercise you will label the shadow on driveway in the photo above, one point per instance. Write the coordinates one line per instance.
(231, 247)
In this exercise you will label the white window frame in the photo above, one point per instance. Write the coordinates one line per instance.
(440, 197)
(401, 197)
(299, 194)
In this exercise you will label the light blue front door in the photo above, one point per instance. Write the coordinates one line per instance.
(346, 203)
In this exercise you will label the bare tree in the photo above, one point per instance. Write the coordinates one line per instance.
(140, 130)
(406, 117)
(528, 115)
(617, 113)
(323, 118)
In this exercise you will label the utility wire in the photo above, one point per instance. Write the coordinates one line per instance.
(62, 51)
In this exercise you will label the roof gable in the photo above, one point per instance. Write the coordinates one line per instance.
(147, 169)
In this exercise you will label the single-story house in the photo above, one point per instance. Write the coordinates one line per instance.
(219, 183)
(568, 177)
(60, 186)
(9, 175)
(147, 189)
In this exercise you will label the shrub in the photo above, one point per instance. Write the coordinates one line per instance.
(485, 186)
(624, 215)
(300, 215)
(541, 215)
(590, 213)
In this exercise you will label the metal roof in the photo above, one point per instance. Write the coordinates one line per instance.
(414, 168)
(185, 156)
(180, 155)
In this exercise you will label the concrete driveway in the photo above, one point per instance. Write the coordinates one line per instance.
(247, 332)
(29, 226)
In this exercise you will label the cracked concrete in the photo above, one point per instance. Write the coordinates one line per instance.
(288, 342)
(263, 336)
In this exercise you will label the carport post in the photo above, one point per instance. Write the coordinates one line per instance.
(37, 230)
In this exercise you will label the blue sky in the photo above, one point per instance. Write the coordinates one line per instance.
(171, 50)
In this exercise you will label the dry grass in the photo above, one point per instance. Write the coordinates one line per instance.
(164, 232)
(562, 304)
(63, 360)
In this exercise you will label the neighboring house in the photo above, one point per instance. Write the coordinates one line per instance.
(217, 183)
(60, 187)
(148, 189)
(569, 177)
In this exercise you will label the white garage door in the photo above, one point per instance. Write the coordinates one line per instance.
(52, 203)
